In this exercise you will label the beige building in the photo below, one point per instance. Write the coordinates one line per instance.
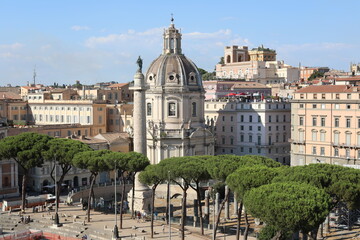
(325, 125)
(119, 117)
(13, 108)
(175, 104)
(259, 65)
(256, 127)
(61, 112)
(115, 93)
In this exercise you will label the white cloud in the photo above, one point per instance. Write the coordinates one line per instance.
(199, 35)
(151, 34)
(80, 28)
(13, 46)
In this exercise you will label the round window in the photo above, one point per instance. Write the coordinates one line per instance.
(171, 77)
(150, 78)
(192, 78)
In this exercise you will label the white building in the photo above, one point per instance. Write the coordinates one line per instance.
(258, 128)
(175, 104)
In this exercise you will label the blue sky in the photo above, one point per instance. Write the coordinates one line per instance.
(95, 41)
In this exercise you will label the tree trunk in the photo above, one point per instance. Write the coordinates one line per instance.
(183, 209)
(152, 211)
(277, 236)
(167, 202)
(313, 234)
(200, 208)
(133, 198)
(122, 200)
(58, 190)
(219, 213)
(238, 221)
(23, 193)
(247, 225)
(92, 177)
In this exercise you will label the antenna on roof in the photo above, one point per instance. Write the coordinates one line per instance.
(34, 75)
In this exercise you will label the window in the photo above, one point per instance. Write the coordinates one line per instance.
(322, 151)
(259, 118)
(313, 150)
(269, 128)
(242, 118)
(348, 122)
(301, 121)
(314, 106)
(250, 138)
(242, 127)
(148, 109)
(336, 122)
(223, 118)
(337, 96)
(250, 128)
(336, 137)
(250, 150)
(358, 122)
(269, 140)
(172, 109)
(232, 141)
(336, 152)
(323, 96)
(348, 96)
(314, 121)
(231, 118)
(259, 140)
(194, 109)
(337, 106)
(284, 118)
(223, 128)
(277, 118)
(250, 118)
(259, 128)
(300, 105)
(269, 118)
(315, 96)
(348, 106)
(231, 129)
(348, 138)
(322, 136)
(241, 149)
(323, 122)
(323, 106)
(223, 140)
(241, 138)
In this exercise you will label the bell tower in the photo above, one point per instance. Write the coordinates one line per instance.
(172, 39)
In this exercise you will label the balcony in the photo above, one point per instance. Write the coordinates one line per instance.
(295, 141)
(344, 145)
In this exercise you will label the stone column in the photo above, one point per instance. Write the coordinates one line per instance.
(1, 175)
(227, 203)
(16, 175)
(142, 195)
(207, 206)
(236, 205)
(12, 173)
(217, 198)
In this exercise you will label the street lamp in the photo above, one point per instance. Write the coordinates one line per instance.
(56, 219)
(116, 231)
(169, 206)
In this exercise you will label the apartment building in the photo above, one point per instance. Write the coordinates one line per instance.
(13, 108)
(325, 125)
(251, 127)
(74, 112)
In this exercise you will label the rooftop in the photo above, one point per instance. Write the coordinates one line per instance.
(329, 89)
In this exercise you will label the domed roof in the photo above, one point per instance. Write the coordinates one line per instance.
(172, 68)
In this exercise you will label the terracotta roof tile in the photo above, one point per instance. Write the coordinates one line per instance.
(116, 85)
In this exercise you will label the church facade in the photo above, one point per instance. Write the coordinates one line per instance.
(174, 104)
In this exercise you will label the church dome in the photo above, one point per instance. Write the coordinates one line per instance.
(172, 68)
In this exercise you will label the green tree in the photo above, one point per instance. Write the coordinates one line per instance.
(197, 172)
(288, 207)
(62, 151)
(118, 161)
(246, 178)
(315, 74)
(221, 61)
(202, 71)
(95, 162)
(179, 168)
(136, 163)
(153, 175)
(25, 149)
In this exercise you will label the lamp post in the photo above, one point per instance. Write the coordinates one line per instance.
(116, 231)
(56, 218)
(169, 207)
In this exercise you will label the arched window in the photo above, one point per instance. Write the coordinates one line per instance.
(228, 59)
(194, 109)
(148, 109)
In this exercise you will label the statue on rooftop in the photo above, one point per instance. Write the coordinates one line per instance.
(139, 62)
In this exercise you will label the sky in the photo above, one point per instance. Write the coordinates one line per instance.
(100, 41)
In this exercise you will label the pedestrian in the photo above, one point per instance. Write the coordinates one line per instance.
(138, 216)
